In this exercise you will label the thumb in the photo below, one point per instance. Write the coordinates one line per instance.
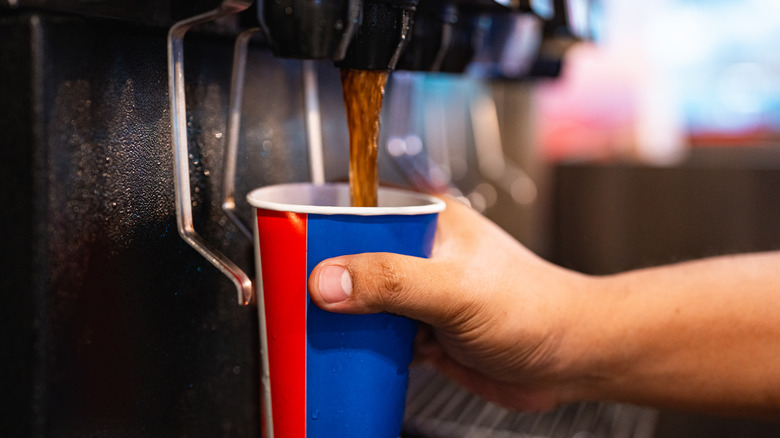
(376, 282)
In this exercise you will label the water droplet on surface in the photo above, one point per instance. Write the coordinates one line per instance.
(315, 414)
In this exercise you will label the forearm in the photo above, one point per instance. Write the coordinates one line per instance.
(702, 335)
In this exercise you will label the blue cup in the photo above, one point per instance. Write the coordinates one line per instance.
(327, 374)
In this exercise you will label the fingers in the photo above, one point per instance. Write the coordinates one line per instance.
(366, 283)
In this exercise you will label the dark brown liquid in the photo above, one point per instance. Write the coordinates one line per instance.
(363, 92)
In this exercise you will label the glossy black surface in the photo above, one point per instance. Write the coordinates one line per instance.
(114, 326)
(380, 35)
(306, 29)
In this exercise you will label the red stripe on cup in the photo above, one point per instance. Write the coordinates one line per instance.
(283, 253)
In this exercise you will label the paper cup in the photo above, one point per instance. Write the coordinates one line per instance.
(326, 374)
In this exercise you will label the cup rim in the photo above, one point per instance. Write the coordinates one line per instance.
(420, 203)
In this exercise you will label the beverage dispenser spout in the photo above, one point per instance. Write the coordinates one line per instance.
(307, 29)
(419, 35)
(382, 36)
(445, 36)
(356, 34)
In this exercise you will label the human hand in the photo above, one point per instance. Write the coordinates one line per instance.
(499, 319)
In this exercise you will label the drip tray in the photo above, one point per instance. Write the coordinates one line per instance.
(439, 408)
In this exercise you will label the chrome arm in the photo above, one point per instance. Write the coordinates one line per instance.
(233, 127)
(181, 153)
(313, 126)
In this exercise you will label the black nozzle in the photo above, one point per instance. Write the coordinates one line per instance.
(382, 36)
(427, 38)
(445, 37)
(309, 29)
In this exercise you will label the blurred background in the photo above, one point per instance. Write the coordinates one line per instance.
(661, 87)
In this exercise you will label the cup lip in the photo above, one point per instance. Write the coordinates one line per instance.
(430, 204)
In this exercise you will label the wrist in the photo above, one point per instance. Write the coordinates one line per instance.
(588, 357)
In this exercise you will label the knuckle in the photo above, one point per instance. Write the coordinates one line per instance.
(392, 280)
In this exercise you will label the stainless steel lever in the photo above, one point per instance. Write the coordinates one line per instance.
(181, 153)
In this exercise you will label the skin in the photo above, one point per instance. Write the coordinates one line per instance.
(530, 335)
